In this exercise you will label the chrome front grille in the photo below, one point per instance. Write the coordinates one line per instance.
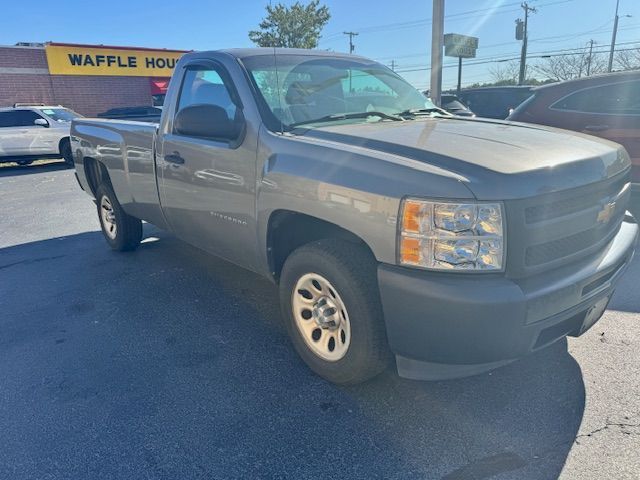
(552, 230)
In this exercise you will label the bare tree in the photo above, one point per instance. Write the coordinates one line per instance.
(573, 65)
(505, 72)
(627, 59)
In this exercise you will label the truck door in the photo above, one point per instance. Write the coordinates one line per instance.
(207, 187)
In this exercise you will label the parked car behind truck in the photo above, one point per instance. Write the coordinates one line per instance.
(393, 231)
(33, 132)
(494, 102)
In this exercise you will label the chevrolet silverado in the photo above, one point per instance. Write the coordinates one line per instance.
(395, 231)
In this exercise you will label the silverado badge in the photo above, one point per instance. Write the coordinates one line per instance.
(606, 213)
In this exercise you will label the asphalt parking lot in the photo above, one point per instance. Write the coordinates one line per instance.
(166, 363)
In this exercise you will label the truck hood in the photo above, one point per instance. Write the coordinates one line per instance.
(496, 160)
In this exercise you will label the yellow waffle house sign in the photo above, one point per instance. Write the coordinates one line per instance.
(66, 59)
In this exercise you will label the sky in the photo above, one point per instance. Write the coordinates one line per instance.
(398, 31)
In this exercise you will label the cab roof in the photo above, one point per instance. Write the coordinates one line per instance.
(252, 52)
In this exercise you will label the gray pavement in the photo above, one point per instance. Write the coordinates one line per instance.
(167, 363)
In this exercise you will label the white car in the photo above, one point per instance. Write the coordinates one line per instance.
(29, 133)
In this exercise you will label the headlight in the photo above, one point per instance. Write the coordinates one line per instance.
(451, 236)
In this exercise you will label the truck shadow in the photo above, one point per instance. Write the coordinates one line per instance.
(177, 364)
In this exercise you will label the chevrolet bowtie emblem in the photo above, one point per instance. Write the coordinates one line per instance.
(606, 213)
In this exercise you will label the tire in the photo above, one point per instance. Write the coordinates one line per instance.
(65, 151)
(347, 307)
(121, 231)
(24, 163)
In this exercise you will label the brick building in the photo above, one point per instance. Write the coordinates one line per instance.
(88, 79)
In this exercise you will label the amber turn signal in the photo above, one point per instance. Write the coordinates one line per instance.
(411, 216)
(410, 250)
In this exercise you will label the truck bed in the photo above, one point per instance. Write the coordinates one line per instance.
(126, 148)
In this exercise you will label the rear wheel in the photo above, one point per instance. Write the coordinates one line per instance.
(329, 296)
(122, 231)
(65, 151)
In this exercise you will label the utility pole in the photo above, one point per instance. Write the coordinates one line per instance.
(525, 38)
(437, 44)
(352, 47)
(591, 42)
(613, 37)
(393, 65)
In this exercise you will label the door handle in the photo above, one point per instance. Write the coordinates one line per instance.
(596, 128)
(174, 158)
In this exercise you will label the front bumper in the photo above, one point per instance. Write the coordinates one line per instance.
(450, 325)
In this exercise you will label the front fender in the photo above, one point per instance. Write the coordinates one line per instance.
(356, 190)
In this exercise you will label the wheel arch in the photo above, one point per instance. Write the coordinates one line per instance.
(95, 173)
(63, 140)
(288, 230)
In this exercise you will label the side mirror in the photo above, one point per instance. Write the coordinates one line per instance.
(41, 122)
(206, 121)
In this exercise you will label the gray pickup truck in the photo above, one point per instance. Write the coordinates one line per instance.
(393, 229)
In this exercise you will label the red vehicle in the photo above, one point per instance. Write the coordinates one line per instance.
(607, 106)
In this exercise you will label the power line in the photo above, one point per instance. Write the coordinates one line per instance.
(501, 58)
(382, 59)
(599, 29)
(534, 55)
(467, 15)
(572, 35)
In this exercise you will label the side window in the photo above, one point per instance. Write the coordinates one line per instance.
(26, 118)
(18, 118)
(8, 119)
(205, 87)
(614, 99)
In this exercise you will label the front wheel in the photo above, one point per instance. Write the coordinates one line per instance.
(122, 231)
(329, 296)
(65, 151)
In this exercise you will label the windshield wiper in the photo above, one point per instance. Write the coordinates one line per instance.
(422, 111)
(346, 116)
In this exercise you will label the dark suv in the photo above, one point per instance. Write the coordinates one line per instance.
(494, 102)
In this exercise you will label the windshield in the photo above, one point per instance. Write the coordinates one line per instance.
(60, 114)
(298, 89)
